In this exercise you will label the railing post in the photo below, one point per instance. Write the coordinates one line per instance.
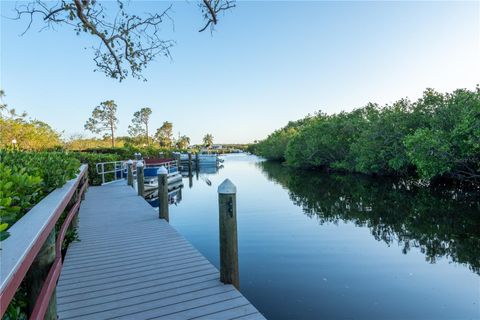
(103, 173)
(140, 178)
(129, 173)
(38, 273)
(227, 202)
(163, 193)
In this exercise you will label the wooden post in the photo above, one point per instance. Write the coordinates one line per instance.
(140, 178)
(85, 180)
(129, 173)
(38, 273)
(227, 202)
(163, 193)
(177, 156)
(189, 164)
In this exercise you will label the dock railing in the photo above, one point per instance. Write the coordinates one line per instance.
(169, 165)
(33, 251)
(111, 169)
(117, 170)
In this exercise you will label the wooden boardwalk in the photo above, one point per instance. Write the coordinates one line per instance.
(129, 264)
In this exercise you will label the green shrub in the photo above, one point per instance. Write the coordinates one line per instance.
(27, 177)
(54, 168)
(275, 145)
(437, 136)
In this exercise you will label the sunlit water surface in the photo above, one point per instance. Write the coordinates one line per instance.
(317, 246)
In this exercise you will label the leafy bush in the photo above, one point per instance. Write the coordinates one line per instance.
(450, 144)
(26, 177)
(325, 140)
(436, 136)
(54, 168)
(19, 191)
(275, 145)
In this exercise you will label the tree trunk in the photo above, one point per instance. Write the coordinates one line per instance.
(113, 138)
(146, 129)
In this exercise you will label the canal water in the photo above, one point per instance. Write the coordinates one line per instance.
(318, 246)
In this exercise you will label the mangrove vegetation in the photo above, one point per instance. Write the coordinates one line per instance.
(437, 136)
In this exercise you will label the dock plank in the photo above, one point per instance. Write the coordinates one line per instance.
(129, 264)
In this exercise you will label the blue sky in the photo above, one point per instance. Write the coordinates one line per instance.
(266, 63)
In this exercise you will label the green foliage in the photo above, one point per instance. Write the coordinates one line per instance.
(26, 177)
(28, 134)
(183, 142)
(19, 191)
(17, 309)
(164, 135)
(325, 140)
(450, 144)
(275, 145)
(54, 168)
(139, 126)
(208, 140)
(437, 136)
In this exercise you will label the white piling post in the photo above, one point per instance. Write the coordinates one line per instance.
(162, 173)
(129, 173)
(140, 178)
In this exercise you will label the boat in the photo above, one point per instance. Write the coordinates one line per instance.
(174, 177)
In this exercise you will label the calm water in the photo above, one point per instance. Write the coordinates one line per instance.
(316, 246)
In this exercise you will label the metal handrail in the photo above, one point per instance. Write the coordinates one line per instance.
(168, 164)
(102, 168)
(118, 166)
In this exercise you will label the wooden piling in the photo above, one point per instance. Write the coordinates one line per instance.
(129, 173)
(163, 193)
(177, 156)
(227, 198)
(189, 164)
(140, 178)
(38, 273)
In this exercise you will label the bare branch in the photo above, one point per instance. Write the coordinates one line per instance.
(211, 9)
(128, 42)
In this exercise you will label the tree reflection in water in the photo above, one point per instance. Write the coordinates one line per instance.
(440, 221)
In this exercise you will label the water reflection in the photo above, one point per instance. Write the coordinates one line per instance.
(440, 223)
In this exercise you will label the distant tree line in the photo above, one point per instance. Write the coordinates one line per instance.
(437, 136)
(20, 132)
(104, 120)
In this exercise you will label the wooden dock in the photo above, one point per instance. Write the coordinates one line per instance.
(129, 264)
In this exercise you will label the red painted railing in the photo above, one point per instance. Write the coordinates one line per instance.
(23, 263)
